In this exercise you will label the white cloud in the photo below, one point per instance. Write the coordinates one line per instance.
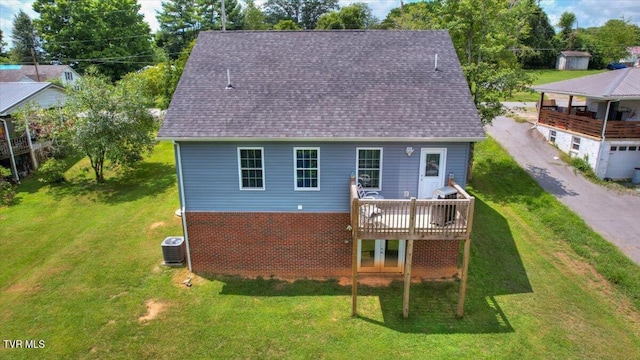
(593, 13)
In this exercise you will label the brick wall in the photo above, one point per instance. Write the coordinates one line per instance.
(292, 245)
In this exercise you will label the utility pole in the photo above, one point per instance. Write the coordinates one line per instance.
(35, 63)
(224, 18)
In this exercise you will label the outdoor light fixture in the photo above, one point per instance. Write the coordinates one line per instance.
(409, 150)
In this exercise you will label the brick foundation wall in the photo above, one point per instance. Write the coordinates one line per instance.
(292, 245)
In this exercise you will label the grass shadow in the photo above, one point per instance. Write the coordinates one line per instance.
(495, 269)
(146, 179)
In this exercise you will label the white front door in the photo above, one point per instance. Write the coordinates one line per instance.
(380, 255)
(432, 168)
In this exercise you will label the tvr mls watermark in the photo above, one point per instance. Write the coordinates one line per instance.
(23, 344)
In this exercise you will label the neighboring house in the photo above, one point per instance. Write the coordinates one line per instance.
(30, 73)
(25, 153)
(272, 128)
(633, 57)
(605, 131)
(573, 60)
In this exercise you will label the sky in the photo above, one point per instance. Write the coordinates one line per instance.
(589, 13)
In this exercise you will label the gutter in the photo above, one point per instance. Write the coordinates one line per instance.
(182, 202)
(319, 139)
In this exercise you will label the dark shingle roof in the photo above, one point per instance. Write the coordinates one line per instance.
(323, 84)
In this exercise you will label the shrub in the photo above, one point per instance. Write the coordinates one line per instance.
(7, 193)
(52, 171)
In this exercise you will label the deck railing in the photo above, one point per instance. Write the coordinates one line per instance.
(589, 126)
(20, 146)
(416, 219)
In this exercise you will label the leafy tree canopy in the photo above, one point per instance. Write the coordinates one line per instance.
(286, 25)
(25, 39)
(254, 18)
(305, 13)
(487, 36)
(102, 121)
(110, 34)
(354, 16)
(614, 37)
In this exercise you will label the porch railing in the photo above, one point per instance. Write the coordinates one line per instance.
(589, 126)
(412, 219)
(20, 146)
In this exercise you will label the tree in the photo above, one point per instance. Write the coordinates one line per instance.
(179, 25)
(110, 34)
(286, 25)
(330, 21)
(3, 44)
(25, 40)
(567, 34)
(210, 14)
(614, 37)
(305, 13)
(486, 35)
(254, 18)
(354, 16)
(414, 16)
(102, 121)
(540, 42)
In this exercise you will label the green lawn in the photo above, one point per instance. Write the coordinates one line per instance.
(82, 262)
(549, 76)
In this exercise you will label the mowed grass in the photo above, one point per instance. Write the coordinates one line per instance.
(549, 76)
(82, 266)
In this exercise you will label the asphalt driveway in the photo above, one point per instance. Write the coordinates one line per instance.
(614, 216)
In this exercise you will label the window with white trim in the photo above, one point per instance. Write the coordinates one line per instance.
(575, 143)
(68, 76)
(369, 167)
(552, 136)
(251, 168)
(307, 168)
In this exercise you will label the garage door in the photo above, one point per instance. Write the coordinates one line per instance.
(622, 160)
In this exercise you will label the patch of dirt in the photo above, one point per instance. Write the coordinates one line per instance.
(156, 225)
(181, 275)
(154, 308)
(23, 288)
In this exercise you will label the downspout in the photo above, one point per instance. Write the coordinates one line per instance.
(182, 201)
(12, 159)
(539, 110)
(604, 129)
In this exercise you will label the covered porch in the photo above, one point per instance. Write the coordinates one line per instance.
(412, 220)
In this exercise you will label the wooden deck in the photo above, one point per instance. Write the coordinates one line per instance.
(412, 219)
(20, 146)
(586, 124)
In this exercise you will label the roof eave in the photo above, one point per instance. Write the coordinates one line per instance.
(590, 96)
(321, 139)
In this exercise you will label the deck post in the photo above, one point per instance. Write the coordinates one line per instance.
(465, 261)
(354, 253)
(408, 262)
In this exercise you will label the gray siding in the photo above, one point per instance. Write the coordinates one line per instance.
(210, 174)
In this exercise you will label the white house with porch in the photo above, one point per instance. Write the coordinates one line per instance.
(604, 129)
